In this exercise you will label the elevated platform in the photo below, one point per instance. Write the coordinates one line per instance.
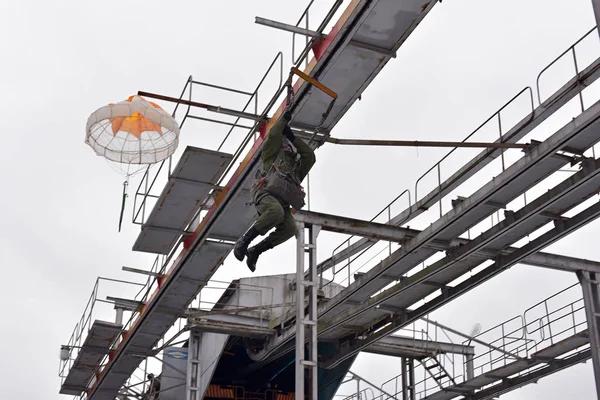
(346, 71)
(96, 346)
(517, 371)
(193, 179)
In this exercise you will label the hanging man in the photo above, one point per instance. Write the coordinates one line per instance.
(286, 160)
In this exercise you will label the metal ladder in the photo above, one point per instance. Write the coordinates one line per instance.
(436, 370)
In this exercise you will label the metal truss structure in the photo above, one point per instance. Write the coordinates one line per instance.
(318, 326)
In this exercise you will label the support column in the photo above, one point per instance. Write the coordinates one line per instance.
(470, 366)
(301, 320)
(412, 383)
(193, 367)
(300, 312)
(596, 5)
(313, 290)
(591, 300)
(405, 373)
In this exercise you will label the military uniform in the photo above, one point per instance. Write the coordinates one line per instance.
(273, 212)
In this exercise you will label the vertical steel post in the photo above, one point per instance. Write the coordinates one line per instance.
(300, 312)
(119, 315)
(591, 300)
(412, 382)
(470, 366)
(311, 321)
(312, 312)
(596, 5)
(404, 363)
(193, 367)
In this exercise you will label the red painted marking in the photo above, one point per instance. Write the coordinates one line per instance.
(187, 241)
(262, 129)
(320, 46)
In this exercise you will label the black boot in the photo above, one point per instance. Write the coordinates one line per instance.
(255, 251)
(241, 246)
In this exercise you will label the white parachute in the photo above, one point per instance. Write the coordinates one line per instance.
(134, 131)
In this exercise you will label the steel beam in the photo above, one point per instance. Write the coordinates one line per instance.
(317, 35)
(591, 300)
(561, 229)
(561, 263)
(208, 107)
(351, 226)
(393, 346)
(416, 143)
(288, 28)
(233, 329)
(245, 326)
(596, 6)
(299, 368)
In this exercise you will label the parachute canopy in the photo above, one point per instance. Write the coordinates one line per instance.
(134, 131)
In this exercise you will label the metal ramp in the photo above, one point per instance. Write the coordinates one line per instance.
(96, 346)
(192, 181)
(201, 257)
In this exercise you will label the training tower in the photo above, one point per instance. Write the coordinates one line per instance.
(296, 335)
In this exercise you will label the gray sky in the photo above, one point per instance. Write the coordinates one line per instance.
(65, 59)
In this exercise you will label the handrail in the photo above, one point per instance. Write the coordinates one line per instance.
(311, 41)
(254, 95)
(388, 207)
(190, 82)
(569, 49)
(494, 115)
(84, 324)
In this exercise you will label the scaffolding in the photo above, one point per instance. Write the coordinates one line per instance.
(202, 210)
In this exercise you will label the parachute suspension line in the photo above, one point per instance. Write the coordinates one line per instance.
(124, 198)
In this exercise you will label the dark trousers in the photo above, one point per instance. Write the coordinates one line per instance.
(272, 214)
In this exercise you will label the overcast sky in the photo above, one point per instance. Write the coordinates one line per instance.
(64, 59)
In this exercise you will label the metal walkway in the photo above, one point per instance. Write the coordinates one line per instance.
(229, 217)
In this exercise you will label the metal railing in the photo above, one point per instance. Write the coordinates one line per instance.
(362, 395)
(571, 50)
(83, 326)
(542, 325)
(525, 335)
(387, 210)
(147, 181)
(447, 361)
(310, 42)
(440, 191)
(496, 115)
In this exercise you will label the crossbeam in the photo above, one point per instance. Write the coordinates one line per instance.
(379, 231)
(417, 143)
(395, 346)
(318, 35)
(231, 328)
(352, 226)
